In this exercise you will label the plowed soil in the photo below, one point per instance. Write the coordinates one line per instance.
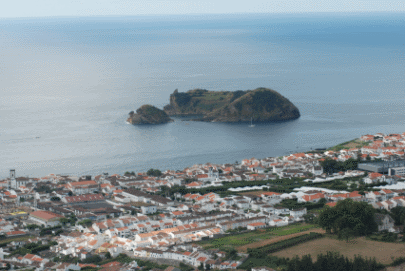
(382, 251)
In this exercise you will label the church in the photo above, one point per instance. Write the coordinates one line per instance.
(15, 183)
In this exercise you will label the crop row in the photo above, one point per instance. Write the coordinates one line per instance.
(263, 251)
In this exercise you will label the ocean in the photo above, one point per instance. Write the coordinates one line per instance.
(67, 85)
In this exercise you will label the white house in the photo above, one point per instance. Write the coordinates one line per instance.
(255, 226)
(317, 170)
(278, 223)
(298, 212)
(281, 211)
(384, 222)
(151, 209)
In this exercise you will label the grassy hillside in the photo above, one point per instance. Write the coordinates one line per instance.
(148, 114)
(261, 104)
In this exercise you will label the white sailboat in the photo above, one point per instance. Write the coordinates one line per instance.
(251, 123)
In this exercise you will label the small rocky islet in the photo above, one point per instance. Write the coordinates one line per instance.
(148, 114)
(259, 105)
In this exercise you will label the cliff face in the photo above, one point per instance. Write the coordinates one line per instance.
(261, 104)
(148, 114)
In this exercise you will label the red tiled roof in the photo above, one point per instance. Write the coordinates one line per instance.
(313, 197)
(257, 224)
(83, 183)
(15, 233)
(373, 175)
(87, 265)
(115, 263)
(46, 215)
(29, 256)
(270, 193)
(84, 198)
(178, 213)
(200, 176)
(193, 184)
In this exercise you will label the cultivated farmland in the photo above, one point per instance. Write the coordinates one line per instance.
(259, 238)
(382, 251)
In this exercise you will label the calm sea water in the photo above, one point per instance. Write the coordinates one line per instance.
(67, 85)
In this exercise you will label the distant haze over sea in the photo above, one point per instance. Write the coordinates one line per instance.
(67, 85)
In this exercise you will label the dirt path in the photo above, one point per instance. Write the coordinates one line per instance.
(276, 239)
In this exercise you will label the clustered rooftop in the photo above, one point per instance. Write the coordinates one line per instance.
(131, 213)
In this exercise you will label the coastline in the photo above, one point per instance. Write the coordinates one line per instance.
(93, 173)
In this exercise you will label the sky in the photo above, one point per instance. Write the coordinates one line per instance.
(51, 8)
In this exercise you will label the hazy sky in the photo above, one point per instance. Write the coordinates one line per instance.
(45, 8)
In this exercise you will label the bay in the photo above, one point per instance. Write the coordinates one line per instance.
(67, 85)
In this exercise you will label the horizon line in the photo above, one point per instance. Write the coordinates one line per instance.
(201, 14)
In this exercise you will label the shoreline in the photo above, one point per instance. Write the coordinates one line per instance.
(93, 173)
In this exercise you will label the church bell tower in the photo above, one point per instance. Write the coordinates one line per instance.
(12, 174)
(12, 178)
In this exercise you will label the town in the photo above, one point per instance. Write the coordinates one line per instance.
(174, 220)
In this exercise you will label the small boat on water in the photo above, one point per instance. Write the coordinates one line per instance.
(251, 123)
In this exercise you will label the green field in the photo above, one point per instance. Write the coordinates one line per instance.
(254, 236)
(355, 143)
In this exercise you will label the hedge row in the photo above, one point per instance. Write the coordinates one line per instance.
(263, 251)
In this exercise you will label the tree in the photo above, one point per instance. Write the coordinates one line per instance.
(63, 220)
(108, 255)
(294, 264)
(55, 198)
(398, 214)
(70, 193)
(306, 263)
(232, 253)
(201, 267)
(350, 164)
(310, 218)
(86, 222)
(8, 266)
(358, 216)
(329, 165)
(346, 233)
(353, 186)
(154, 172)
(32, 227)
(185, 267)
(72, 219)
